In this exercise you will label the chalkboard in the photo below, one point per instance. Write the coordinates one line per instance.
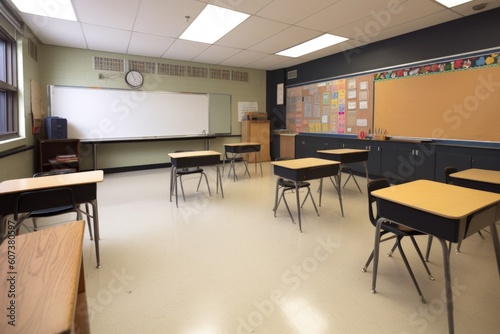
(103, 113)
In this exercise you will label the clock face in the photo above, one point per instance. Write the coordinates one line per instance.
(134, 79)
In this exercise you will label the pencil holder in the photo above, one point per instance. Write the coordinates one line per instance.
(379, 137)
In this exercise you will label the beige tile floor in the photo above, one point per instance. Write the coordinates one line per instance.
(224, 266)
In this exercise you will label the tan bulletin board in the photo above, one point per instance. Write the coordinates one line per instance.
(462, 105)
(336, 106)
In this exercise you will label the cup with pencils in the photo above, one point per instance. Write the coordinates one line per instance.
(379, 134)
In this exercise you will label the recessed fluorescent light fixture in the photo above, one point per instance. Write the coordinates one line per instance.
(213, 23)
(316, 44)
(56, 9)
(452, 3)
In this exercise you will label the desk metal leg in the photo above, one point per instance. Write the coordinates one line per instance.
(298, 204)
(496, 243)
(96, 231)
(366, 171)
(376, 249)
(219, 179)
(447, 279)
(337, 178)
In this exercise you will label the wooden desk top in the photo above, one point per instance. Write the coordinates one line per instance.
(342, 151)
(51, 181)
(438, 198)
(304, 163)
(47, 272)
(481, 175)
(190, 154)
(243, 144)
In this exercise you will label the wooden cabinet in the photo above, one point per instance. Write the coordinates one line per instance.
(257, 131)
(287, 146)
(58, 154)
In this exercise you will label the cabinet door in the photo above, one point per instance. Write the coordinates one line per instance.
(306, 147)
(485, 163)
(443, 159)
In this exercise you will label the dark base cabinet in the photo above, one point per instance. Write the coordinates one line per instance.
(56, 154)
(403, 161)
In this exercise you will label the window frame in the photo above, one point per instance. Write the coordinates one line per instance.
(9, 109)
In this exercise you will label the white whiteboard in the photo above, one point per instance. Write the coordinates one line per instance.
(103, 113)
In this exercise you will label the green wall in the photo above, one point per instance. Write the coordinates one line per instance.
(74, 67)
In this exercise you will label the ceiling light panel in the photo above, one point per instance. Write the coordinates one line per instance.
(452, 3)
(55, 9)
(213, 23)
(315, 44)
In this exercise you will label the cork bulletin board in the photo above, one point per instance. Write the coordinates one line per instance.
(343, 106)
(462, 105)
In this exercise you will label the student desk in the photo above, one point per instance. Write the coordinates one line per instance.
(44, 270)
(345, 156)
(300, 170)
(448, 212)
(83, 184)
(237, 149)
(481, 179)
(193, 159)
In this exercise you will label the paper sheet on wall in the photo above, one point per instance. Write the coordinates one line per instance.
(36, 107)
(244, 107)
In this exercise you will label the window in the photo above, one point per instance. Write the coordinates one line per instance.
(8, 87)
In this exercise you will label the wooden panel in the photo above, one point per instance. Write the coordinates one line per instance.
(257, 131)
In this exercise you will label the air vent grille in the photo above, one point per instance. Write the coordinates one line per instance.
(291, 74)
(142, 66)
(197, 72)
(109, 64)
(172, 70)
(115, 64)
(240, 76)
(216, 73)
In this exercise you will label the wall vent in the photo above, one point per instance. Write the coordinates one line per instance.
(172, 70)
(109, 64)
(197, 72)
(142, 66)
(239, 76)
(216, 73)
(291, 74)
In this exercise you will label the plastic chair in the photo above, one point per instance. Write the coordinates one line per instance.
(398, 231)
(286, 185)
(44, 203)
(180, 172)
(49, 212)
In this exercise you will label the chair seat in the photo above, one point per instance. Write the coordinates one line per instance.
(51, 211)
(187, 171)
(289, 184)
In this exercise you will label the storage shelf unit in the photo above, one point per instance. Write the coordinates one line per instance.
(58, 154)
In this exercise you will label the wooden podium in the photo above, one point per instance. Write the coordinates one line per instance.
(257, 131)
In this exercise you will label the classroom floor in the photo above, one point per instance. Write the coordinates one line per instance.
(226, 266)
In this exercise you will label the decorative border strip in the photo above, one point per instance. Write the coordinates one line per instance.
(492, 59)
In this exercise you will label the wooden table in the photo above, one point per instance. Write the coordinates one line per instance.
(83, 184)
(191, 159)
(42, 281)
(481, 179)
(301, 170)
(236, 150)
(448, 212)
(345, 156)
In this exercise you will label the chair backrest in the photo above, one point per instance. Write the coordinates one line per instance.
(447, 171)
(44, 199)
(372, 186)
(53, 172)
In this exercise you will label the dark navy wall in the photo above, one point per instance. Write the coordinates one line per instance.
(472, 33)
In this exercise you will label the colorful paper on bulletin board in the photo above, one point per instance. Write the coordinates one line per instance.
(326, 98)
(317, 127)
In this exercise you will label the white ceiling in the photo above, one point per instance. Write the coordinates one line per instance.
(152, 27)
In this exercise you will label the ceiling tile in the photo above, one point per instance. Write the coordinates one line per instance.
(185, 50)
(106, 39)
(149, 45)
(109, 13)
